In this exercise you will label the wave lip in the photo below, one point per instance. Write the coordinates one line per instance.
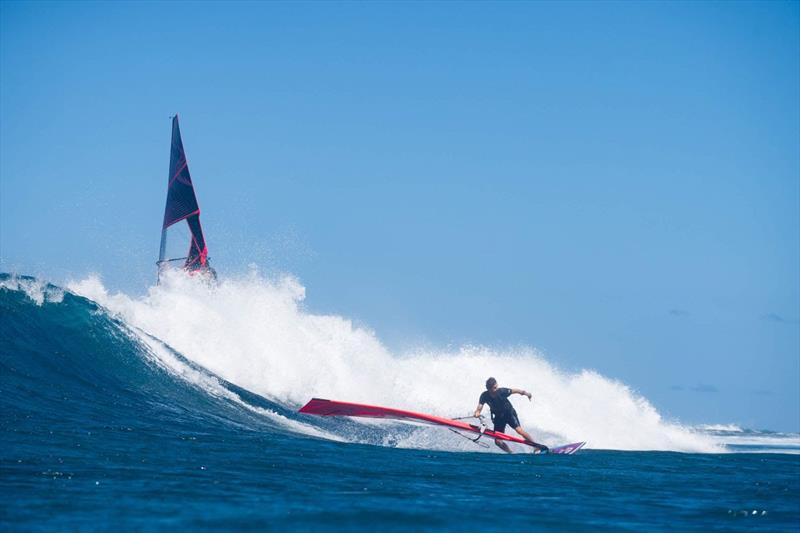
(38, 291)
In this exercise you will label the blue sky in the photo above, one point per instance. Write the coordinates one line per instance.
(616, 184)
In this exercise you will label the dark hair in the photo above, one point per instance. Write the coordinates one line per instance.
(491, 382)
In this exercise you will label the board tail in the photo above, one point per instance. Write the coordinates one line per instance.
(567, 449)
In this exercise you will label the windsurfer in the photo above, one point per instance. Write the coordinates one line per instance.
(503, 413)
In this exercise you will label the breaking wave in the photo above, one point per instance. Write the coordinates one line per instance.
(255, 333)
(246, 352)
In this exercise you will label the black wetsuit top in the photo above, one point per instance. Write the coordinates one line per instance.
(503, 413)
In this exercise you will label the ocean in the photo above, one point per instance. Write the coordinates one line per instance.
(178, 409)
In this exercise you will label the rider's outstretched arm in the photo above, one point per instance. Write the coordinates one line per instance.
(478, 410)
(522, 392)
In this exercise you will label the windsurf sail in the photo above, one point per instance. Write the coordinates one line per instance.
(182, 215)
(321, 407)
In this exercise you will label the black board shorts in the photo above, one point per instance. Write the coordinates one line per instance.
(501, 421)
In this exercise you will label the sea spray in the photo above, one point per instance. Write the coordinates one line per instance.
(255, 333)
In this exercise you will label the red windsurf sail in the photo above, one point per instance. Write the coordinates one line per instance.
(182, 210)
(322, 407)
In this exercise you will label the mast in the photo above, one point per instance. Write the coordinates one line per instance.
(161, 252)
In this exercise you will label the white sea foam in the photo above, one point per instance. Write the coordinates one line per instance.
(37, 290)
(734, 438)
(255, 333)
(719, 427)
(162, 356)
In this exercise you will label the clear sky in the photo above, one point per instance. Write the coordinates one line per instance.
(616, 184)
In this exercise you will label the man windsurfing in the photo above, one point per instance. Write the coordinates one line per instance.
(503, 413)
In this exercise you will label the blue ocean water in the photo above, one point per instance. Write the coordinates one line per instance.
(104, 425)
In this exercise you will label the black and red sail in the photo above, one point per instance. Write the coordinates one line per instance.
(182, 206)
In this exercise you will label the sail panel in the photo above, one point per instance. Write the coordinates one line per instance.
(198, 252)
(181, 200)
(322, 407)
